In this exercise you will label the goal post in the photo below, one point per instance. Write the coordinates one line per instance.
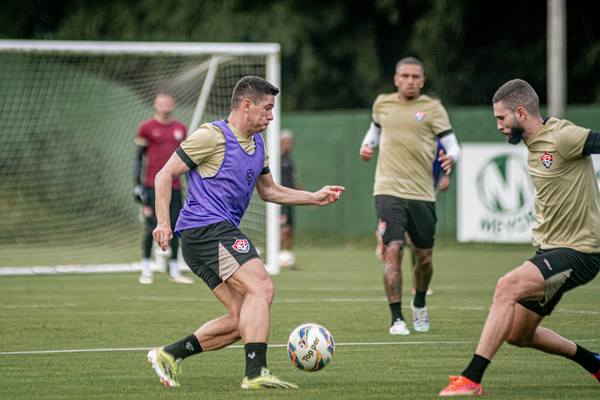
(69, 114)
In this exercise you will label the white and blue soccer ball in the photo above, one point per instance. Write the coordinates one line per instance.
(310, 347)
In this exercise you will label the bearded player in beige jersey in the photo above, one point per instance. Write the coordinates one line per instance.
(566, 229)
(406, 126)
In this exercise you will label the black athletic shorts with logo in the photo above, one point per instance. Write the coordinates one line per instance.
(395, 216)
(216, 251)
(563, 269)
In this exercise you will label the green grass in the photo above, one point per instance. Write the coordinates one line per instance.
(339, 288)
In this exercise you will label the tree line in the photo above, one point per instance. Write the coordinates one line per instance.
(339, 55)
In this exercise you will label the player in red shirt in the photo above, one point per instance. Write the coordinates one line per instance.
(156, 140)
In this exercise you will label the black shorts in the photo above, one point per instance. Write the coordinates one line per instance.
(563, 269)
(396, 216)
(216, 251)
(287, 216)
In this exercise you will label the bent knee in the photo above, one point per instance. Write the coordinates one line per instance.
(505, 290)
(265, 290)
(425, 260)
(394, 249)
(520, 340)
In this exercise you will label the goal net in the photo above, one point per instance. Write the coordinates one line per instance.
(69, 116)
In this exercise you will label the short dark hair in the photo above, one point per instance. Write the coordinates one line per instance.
(253, 88)
(518, 93)
(410, 60)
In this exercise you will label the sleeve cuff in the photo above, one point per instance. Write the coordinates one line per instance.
(592, 144)
(185, 158)
(445, 133)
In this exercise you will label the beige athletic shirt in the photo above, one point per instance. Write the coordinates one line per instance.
(206, 148)
(408, 145)
(567, 200)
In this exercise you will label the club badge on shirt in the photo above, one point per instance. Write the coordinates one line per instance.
(420, 115)
(547, 160)
(178, 133)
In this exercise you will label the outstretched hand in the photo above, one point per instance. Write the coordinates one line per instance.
(328, 195)
(447, 162)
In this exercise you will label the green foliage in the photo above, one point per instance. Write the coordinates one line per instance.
(342, 54)
(65, 135)
(338, 288)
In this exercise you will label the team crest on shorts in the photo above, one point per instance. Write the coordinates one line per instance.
(420, 115)
(381, 227)
(547, 160)
(241, 245)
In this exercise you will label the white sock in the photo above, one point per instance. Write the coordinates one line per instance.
(174, 268)
(146, 267)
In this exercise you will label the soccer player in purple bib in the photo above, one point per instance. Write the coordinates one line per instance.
(225, 160)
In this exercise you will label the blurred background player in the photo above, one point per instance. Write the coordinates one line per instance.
(408, 125)
(288, 179)
(156, 140)
(441, 182)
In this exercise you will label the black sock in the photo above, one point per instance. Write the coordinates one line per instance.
(419, 300)
(476, 368)
(587, 360)
(256, 358)
(184, 348)
(396, 309)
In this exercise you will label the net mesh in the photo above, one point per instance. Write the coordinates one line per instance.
(67, 128)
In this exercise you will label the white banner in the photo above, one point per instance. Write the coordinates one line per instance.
(495, 193)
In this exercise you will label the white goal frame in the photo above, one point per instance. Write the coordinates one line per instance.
(271, 51)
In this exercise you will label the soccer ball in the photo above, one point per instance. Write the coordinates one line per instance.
(310, 347)
(286, 259)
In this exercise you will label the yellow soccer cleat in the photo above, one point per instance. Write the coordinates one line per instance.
(165, 365)
(266, 380)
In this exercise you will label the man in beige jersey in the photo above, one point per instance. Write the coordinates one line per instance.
(566, 229)
(406, 126)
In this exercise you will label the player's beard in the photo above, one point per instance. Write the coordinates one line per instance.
(516, 134)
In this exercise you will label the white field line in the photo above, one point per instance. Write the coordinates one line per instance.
(71, 269)
(240, 346)
(331, 300)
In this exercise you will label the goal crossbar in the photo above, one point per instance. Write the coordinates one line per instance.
(171, 48)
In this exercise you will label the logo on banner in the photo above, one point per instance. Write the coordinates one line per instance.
(420, 115)
(241, 245)
(547, 160)
(504, 185)
(507, 193)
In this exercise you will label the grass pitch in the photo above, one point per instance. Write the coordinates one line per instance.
(119, 319)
